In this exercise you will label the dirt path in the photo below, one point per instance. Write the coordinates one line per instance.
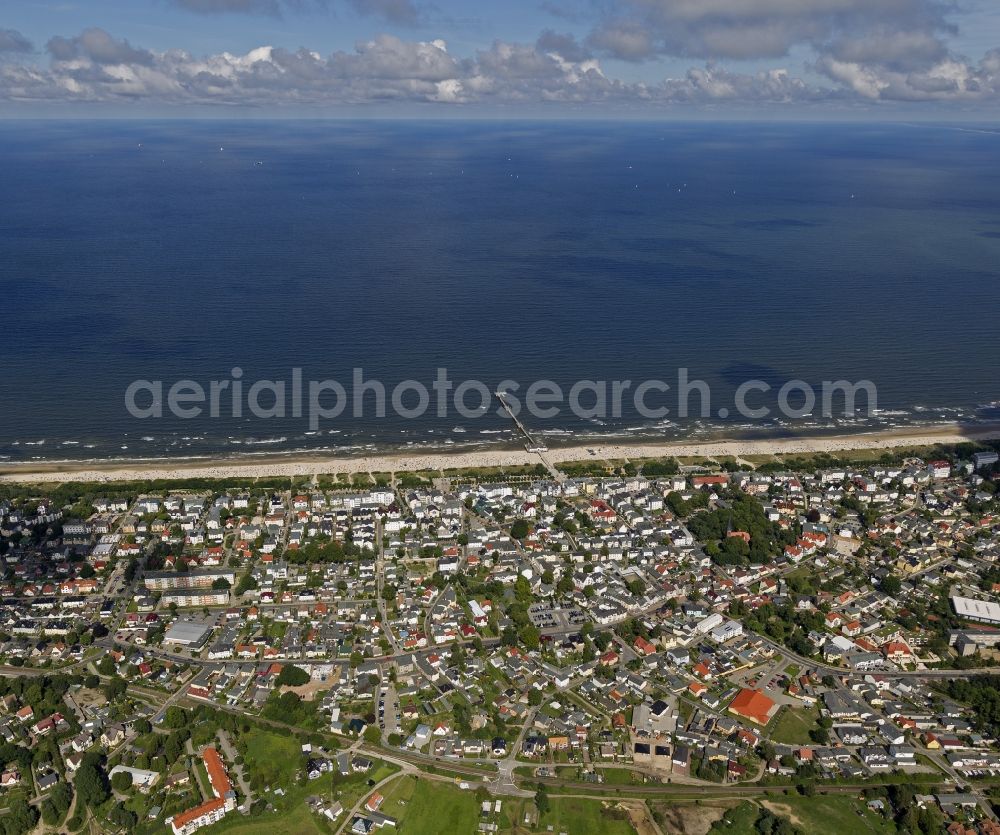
(640, 818)
(308, 692)
(783, 810)
(689, 818)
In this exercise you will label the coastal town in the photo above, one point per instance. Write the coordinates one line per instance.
(764, 643)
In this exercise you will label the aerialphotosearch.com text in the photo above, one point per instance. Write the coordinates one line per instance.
(318, 401)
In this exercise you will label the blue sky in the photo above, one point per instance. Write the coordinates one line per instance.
(640, 58)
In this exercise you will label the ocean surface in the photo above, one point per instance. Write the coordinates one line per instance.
(165, 250)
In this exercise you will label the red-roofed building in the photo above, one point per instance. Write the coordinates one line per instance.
(199, 692)
(709, 480)
(866, 644)
(643, 646)
(209, 812)
(753, 705)
(221, 784)
(701, 670)
(897, 651)
(939, 469)
(600, 511)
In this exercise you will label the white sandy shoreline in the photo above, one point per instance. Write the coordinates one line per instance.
(304, 464)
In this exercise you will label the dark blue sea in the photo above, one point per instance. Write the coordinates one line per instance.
(166, 250)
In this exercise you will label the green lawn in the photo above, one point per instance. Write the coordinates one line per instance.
(583, 817)
(620, 776)
(298, 821)
(818, 815)
(429, 807)
(201, 774)
(739, 820)
(830, 814)
(291, 816)
(273, 756)
(352, 787)
(381, 771)
(793, 725)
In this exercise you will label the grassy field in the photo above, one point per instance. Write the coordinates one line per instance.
(740, 819)
(274, 757)
(296, 821)
(820, 815)
(583, 817)
(830, 814)
(691, 818)
(381, 771)
(574, 816)
(793, 725)
(621, 776)
(290, 816)
(352, 788)
(428, 807)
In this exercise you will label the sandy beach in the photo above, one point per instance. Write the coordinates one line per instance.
(299, 464)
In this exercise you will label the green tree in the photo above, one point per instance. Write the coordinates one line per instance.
(115, 689)
(20, 817)
(175, 717)
(246, 583)
(123, 817)
(891, 585)
(520, 529)
(90, 782)
(529, 636)
(121, 782)
(292, 676)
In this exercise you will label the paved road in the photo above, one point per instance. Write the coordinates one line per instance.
(718, 792)
(824, 668)
(504, 783)
(231, 754)
(364, 798)
(974, 789)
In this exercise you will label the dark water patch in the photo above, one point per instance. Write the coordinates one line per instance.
(776, 224)
(520, 251)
